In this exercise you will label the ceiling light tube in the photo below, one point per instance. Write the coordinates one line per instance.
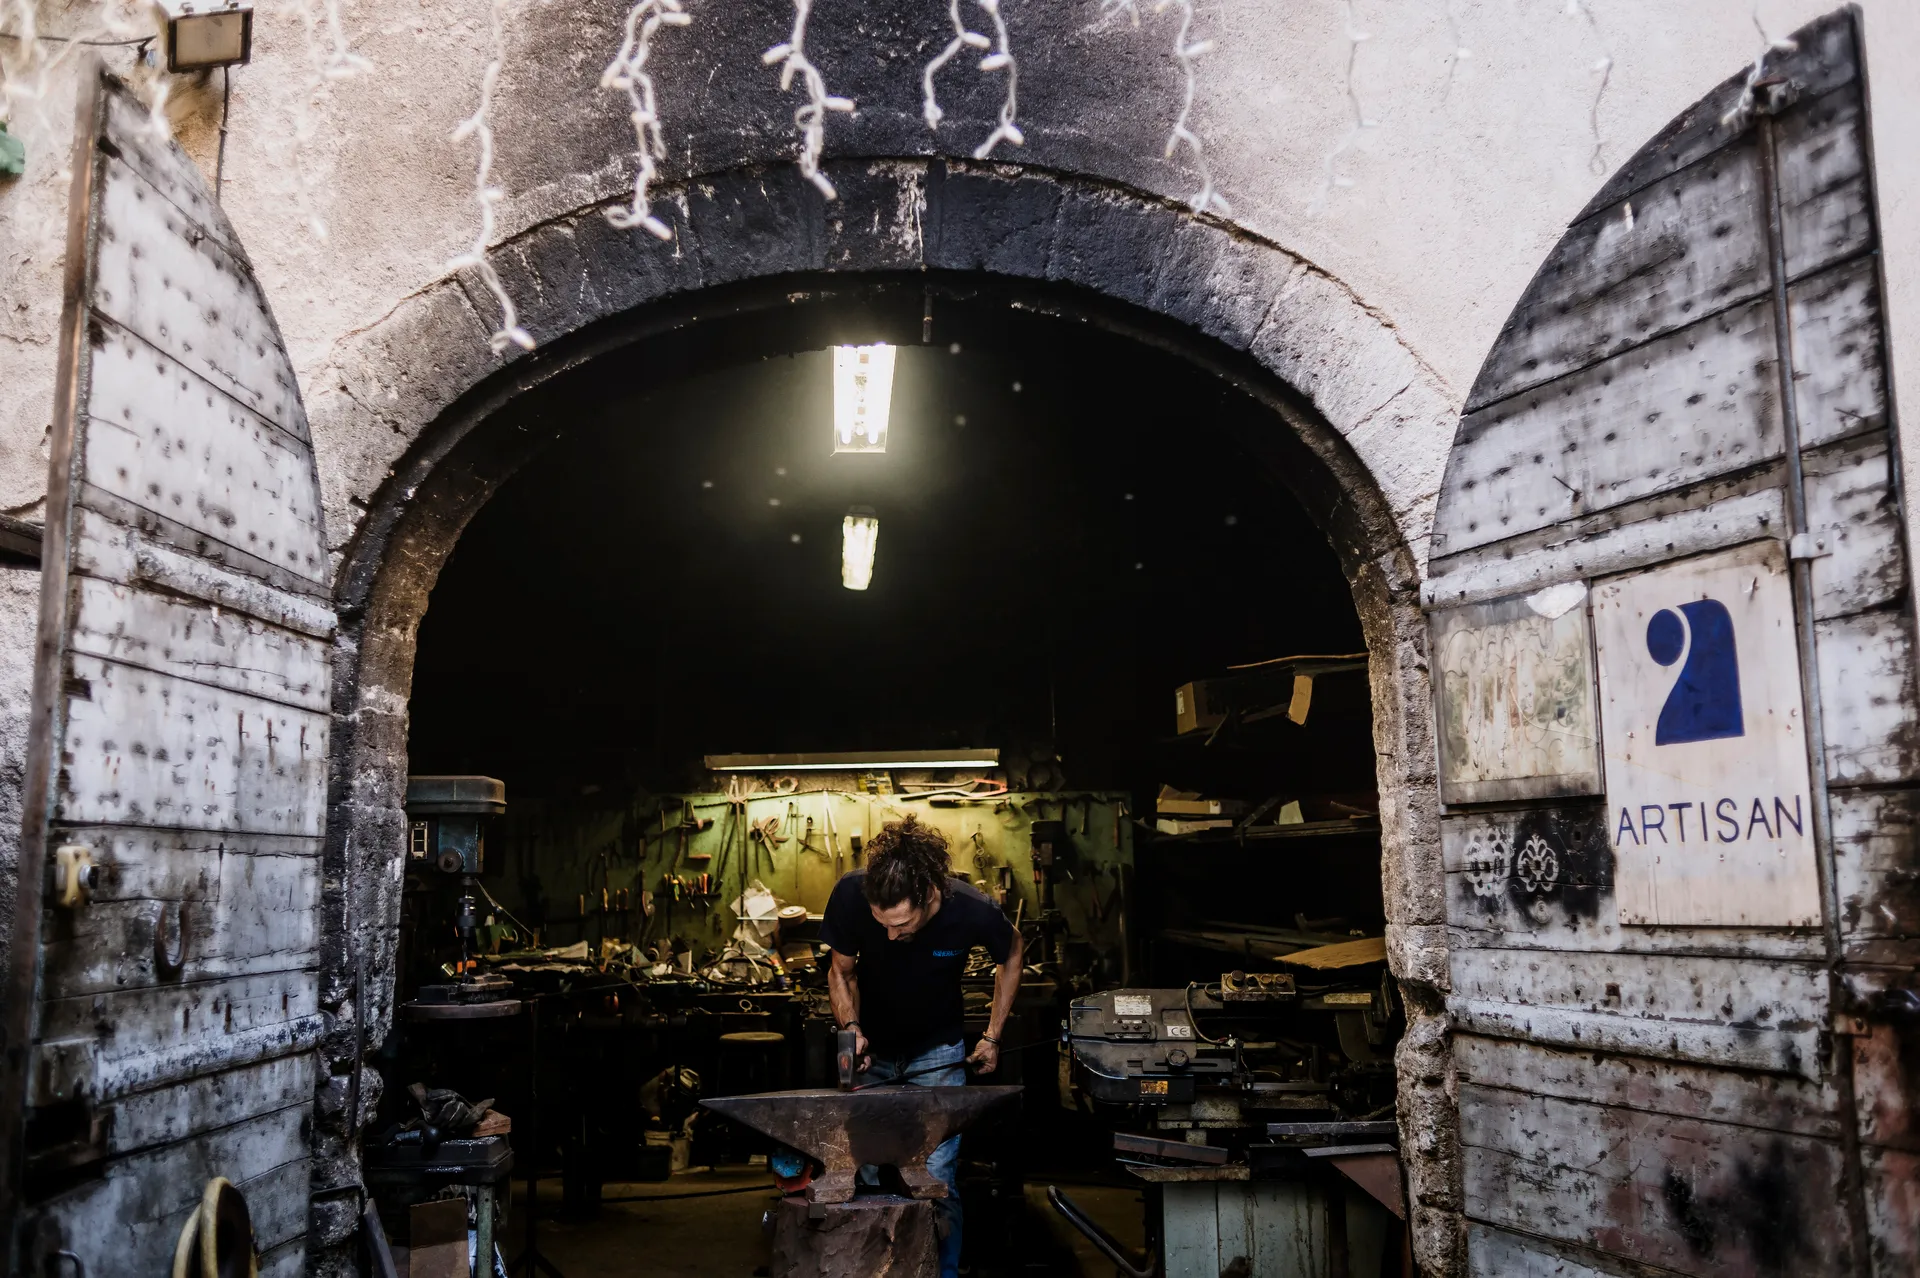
(859, 536)
(862, 397)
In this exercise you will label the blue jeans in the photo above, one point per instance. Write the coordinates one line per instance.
(945, 1160)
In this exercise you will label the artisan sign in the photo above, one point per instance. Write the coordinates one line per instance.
(1702, 729)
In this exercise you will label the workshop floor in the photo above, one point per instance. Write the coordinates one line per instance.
(720, 1236)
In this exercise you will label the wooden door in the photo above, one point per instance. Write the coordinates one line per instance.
(1673, 641)
(163, 1002)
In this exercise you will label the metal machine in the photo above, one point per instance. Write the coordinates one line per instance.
(1258, 1111)
(1223, 1057)
(447, 820)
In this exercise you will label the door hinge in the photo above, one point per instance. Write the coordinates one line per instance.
(1808, 545)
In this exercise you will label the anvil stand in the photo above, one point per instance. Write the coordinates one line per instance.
(530, 1262)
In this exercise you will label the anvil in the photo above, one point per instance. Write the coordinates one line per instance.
(887, 1126)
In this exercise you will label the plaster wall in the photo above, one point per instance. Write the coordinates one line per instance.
(1433, 213)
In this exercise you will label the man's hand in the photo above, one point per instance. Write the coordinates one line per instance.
(986, 1057)
(862, 1058)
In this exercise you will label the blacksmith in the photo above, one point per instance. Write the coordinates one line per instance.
(901, 930)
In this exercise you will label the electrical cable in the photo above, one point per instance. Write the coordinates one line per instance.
(97, 44)
(1195, 1022)
(220, 156)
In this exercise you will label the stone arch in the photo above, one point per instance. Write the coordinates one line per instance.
(425, 429)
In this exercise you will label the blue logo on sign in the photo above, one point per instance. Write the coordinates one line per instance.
(1705, 702)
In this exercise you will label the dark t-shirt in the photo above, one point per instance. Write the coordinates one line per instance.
(910, 990)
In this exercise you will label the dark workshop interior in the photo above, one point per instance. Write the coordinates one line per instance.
(1086, 562)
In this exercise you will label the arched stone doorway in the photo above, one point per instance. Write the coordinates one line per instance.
(756, 252)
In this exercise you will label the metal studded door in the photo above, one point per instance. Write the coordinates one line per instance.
(162, 1008)
(1672, 648)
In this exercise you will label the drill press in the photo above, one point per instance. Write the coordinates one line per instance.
(447, 820)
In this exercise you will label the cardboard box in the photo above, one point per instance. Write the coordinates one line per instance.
(1190, 713)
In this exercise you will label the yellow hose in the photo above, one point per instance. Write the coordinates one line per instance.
(217, 1239)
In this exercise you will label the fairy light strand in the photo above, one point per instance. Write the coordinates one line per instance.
(1001, 59)
(810, 117)
(1597, 161)
(1359, 123)
(962, 39)
(330, 60)
(1186, 53)
(1460, 50)
(486, 195)
(1743, 104)
(341, 63)
(628, 73)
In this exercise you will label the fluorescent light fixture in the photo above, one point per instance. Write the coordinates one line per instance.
(859, 536)
(857, 761)
(202, 34)
(862, 395)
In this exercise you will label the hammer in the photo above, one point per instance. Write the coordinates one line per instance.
(847, 1057)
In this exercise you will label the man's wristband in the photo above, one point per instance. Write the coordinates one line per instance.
(850, 1025)
(988, 1038)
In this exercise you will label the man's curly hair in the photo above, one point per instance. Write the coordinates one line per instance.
(908, 862)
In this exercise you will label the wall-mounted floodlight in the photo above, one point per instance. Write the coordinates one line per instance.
(859, 535)
(202, 34)
(858, 761)
(862, 395)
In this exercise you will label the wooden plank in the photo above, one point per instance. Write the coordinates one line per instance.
(235, 914)
(147, 151)
(1866, 687)
(208, 1101)
(127, 1220)
(116, 547)
(1875, 834)
(1825, 212)
(130, 1041)
(1580, 920)
(1497, 1253)
(162, 276)
(1701, 1198)
(1608, 547)
(1681, 408)
(1777, 1102)
(1893, 1209)
(174, 636)
(1853, 512)
(288, 1260)
(1541, 871)
(150, 749)
(1841, 387)
(161, 436)
(1717, 1011)
(1695, 244)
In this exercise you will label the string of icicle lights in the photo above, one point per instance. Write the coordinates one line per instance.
(628, 73)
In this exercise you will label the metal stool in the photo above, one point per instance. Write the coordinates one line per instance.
(750, 1061)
